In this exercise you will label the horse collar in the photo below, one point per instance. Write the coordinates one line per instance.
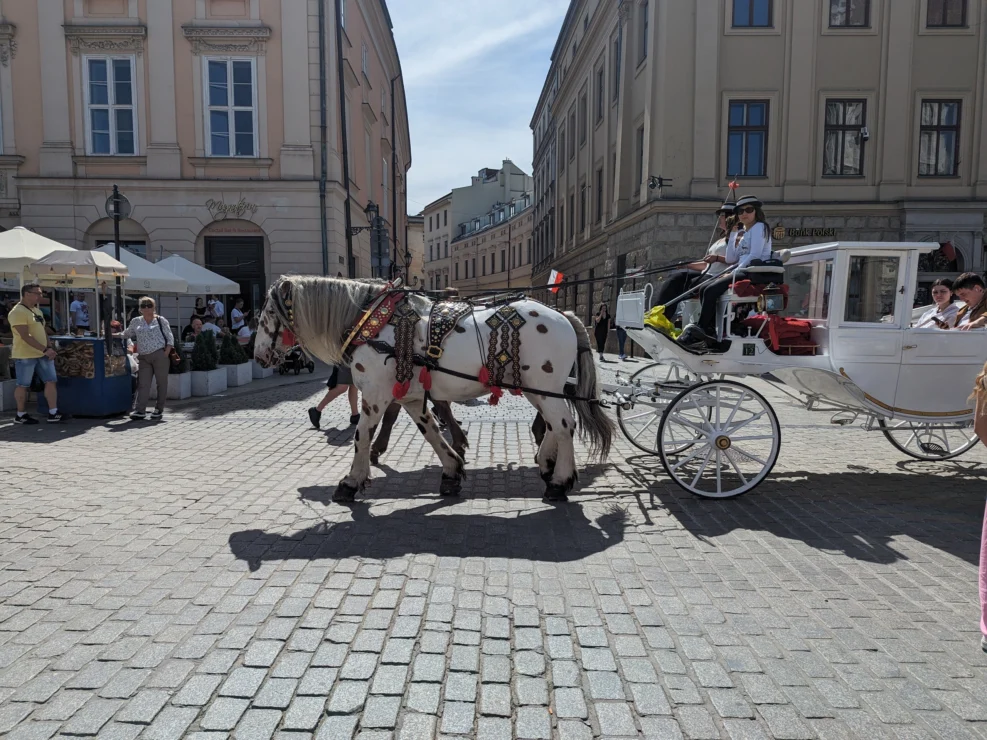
(375, 317)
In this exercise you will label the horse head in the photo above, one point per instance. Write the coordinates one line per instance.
(277, 315)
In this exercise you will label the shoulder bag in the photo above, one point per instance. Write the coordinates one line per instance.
(174, 356)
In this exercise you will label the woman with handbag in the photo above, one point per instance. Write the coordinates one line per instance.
(155, 354)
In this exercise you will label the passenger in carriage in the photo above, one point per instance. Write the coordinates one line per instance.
(677, 283)
(943, 314)
(970, 288)
(753, 242)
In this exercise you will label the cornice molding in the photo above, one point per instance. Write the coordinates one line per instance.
(227, 39)
(91, 38)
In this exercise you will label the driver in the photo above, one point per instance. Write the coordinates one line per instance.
(970, 288)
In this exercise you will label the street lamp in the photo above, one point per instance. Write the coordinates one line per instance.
(118, 207)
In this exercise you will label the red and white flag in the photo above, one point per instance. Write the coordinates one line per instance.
(555, 279)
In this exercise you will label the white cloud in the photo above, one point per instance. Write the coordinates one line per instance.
(473, 71)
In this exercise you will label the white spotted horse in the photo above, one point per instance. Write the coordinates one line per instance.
(403, 347)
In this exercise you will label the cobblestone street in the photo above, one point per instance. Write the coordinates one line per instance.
(192, 579)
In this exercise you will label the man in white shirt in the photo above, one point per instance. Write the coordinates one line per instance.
(79, 311)
(210, 326)
(236, 315)
(216, 307)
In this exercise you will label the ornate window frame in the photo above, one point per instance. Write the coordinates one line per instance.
(105, 39)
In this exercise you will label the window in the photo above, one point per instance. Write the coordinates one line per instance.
(639, 155)
(615, 64)
(599, 195)
(368, 149)
(582, 208)
(843, 141)
(429, 223)
(383, 186)
(946, 14)
(561, 148)
(572, 215)
(474, 268)
(457, 271)
(363, 59)
(572, 132)
(810, 285)
(483, 264)
(446, 248)
(849, 13)
(562, 221)
(503, 260)
(600, 93)
(747, 138)
(644, 33)
(231, 106)
(939, 138)
(529, 249)
(872, 290)
(111, 118)
(752, 13)
(582, 119)
(429, 252)
(445, 217)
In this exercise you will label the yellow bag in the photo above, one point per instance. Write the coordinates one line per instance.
(656, 319)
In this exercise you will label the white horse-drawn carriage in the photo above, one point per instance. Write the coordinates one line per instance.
(832, 324)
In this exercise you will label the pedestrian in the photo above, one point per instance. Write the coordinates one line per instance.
(32, 353)
(193, 330)
(237, 316)
(621, 341)
(215, 307)
(79, 311)
(152, 334)
(601, 328)
(340, 382)
(210, 325)
(980, 427)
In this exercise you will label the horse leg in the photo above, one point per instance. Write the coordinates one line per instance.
(538, 428)
(379, 446)
(360, 470)
(560, 428)
(459, 441)
(452, 462)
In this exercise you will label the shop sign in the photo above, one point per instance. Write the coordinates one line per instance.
(221, 210)
(780, 232)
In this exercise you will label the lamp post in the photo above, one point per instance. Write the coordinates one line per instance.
(380, 258)
(118, 207)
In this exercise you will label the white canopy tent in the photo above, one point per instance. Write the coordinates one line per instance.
(77, 269)
(144, 276)
(19, 247)
(198, 278)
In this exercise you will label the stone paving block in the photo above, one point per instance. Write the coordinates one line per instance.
(317, 682)
(649, 699)
(90, 719)
(529, 663)
(424, 698)
(495, 699)
(381, 712)
(197, 691)
(144, 707)
(224, 713)
(533, 723)
(604, 685)
(457, 717)
(337, 728)
(428, 668)
(529, 690)
(348, 697)
(275, 693)
(494, 728)
(495, 669)
(569, 703)
(390, 680)
(784, 722)
(574, 730)
(661, 727)
(460, 687)
(416, 727)
(304, 713)
(358, 667)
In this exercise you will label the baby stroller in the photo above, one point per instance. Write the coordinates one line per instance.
(297, 361)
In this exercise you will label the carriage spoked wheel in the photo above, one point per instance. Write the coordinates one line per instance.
(929, 441)
(735, 439)
(659, 383)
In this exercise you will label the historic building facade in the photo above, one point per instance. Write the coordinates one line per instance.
(493, 250)
(208, 114)
(852, 121)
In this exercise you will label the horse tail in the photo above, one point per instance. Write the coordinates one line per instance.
(594, 423)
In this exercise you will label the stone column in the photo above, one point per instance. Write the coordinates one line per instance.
(800, 93)
(164, 157)
(55, 157)
(706, 101)
(297, 159)
(897, 105)
(624, 176)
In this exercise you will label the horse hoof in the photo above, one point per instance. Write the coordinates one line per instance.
(554, 494)
(548, 474)
(450, 486)
(374, 458)
(344, 494)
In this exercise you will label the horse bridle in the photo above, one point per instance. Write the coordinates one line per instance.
(284, 314)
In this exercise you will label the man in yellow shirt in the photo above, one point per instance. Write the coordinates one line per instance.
(31, 354)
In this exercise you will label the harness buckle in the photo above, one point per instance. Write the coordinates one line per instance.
(434, 352)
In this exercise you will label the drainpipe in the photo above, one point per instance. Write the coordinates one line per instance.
(394, 186)
(323, 128)
(350, 272)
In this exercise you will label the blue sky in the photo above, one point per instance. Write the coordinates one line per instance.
(473, 70)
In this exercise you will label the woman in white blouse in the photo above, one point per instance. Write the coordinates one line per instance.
(943, 314)
(152, 334)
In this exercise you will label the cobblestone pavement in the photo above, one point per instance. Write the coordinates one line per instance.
(192, 579)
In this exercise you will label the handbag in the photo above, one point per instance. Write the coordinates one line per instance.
(174, 356)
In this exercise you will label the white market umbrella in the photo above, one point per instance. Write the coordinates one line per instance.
(199, 279)
(144, 276)
(20, 246)
(77, 264)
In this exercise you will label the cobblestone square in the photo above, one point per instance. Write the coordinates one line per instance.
(193, 579)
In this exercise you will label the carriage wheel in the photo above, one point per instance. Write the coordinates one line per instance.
(662, 381)
(736, 439)
(928, 441)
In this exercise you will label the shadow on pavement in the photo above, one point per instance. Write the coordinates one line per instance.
(857, 513)
(560, 534)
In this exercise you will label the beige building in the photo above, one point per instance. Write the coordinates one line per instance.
(851, 120)
(208, 115)
(444, 216)
(493, 250)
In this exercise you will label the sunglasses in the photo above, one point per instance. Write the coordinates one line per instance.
(147, 305)
(747, 209)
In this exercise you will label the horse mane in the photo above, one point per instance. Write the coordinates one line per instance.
(325, 309)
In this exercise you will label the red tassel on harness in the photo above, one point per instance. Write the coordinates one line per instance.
(484, 376)
(516, 391)
(495, 393)
(425, 378)
(400, 390)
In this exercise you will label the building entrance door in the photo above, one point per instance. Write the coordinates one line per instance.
(241, 259)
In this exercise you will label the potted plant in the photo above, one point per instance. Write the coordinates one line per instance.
(234, 359)
(207, 379)
(179, 381)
